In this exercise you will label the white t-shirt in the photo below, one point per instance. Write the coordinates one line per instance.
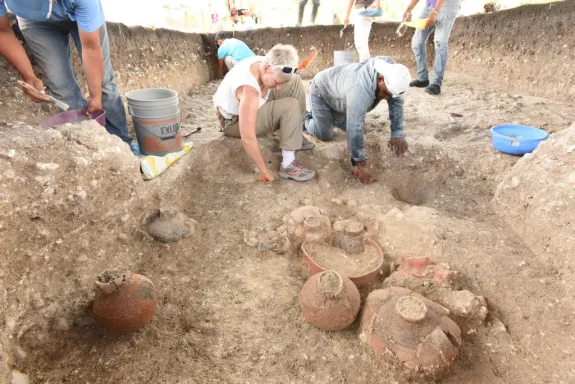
(240, 75)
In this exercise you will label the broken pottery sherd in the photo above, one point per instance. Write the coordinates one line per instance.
(440, 283)
(422, 270)
(273, 240)
(330, 301)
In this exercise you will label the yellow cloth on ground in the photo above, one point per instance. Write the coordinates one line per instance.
(152, 166)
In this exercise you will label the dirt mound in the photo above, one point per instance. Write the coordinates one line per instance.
(141, 57)
(51, 181)
(537, 198)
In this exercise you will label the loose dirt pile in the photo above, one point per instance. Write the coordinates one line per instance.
(537, 198)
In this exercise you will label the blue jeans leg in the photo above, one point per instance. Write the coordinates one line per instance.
(322, 124)
(49, 43)
(111, 100)
(443, 27)
(419, 47)
(50, 46)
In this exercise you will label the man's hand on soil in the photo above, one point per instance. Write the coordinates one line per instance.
(398, 145)
(431, 19)
(94, 105)
(364, 172)
(39, 96)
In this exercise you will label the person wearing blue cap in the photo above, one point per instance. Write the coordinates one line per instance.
(47, 26)
(231, 52)
(341, 96)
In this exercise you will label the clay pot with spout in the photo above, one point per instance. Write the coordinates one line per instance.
(124, 303)
(330, 301)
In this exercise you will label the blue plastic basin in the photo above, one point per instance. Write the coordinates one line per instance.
(516, 139)
(372, 12)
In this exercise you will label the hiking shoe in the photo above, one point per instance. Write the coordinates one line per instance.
(296, 171)
(433, 89)
(136, 150)
(419, 84)
(306, 145)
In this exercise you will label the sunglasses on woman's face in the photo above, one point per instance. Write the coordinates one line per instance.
(286, 70)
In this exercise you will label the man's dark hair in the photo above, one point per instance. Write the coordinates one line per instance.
(221, 36)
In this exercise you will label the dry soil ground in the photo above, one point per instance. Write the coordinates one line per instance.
(228, 313)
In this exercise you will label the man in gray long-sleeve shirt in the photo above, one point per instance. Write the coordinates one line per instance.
(341, 96)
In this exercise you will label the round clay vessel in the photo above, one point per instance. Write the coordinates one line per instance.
(417, 331)
(330, 301)
(124, 303)
(307, 223)
(168, 225)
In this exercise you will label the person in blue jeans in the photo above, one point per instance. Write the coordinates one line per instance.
(231, 52)
(47, 26)
(315, 8)
(341, 96)
(440, 15)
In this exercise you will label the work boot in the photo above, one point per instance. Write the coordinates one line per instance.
(433, 89)
(306, 145)
(419, 84)
(300, 15)
(314, 12)
(296, 171)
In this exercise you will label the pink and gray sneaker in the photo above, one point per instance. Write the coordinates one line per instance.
(297, 172)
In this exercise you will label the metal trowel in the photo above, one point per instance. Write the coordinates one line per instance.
(60, 104)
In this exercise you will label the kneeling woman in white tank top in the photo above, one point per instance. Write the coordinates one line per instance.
(261, 95)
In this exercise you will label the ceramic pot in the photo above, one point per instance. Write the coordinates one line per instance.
(168, 225)
(359, 280)
(124, 304)
(417, 331)
(330, 301)
(349, 236)
(307, 223)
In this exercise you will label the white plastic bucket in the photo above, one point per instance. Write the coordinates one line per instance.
(343, 57)
(156, 116)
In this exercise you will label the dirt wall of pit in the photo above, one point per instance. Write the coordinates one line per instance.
(536, 197)
(528, 50)
(141, 58)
